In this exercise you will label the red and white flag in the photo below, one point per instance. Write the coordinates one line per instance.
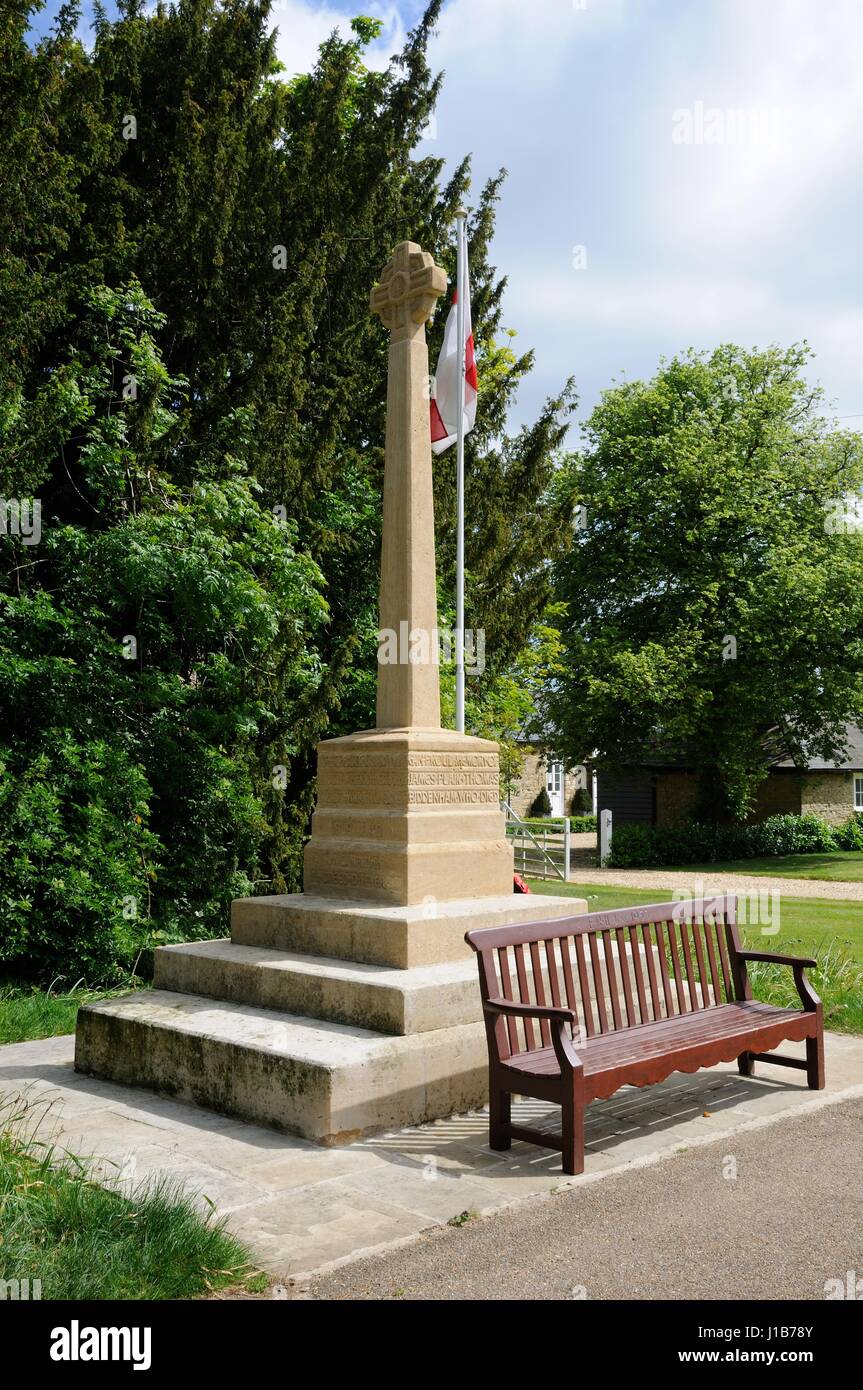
(444, 398)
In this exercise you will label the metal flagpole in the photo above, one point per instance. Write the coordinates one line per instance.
(459, 562)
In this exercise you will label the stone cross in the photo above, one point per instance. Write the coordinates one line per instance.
(408, 690)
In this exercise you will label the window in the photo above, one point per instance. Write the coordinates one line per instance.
(858, 791)
(554, 779)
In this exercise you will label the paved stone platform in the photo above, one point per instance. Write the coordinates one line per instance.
(302, 1208)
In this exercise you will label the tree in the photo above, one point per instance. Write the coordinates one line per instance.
(714, 606)
(181, 222)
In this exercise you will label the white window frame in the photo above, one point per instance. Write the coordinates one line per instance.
(554, 777)
(858, 791)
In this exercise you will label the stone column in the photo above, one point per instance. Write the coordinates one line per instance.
(408, 693)
(408, 813)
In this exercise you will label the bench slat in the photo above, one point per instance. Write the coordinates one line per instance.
(506, 993)
(523, 995)
(651, 969)
(699, 930)
(643, 1015)
(539, 991)
(586, 1014)
(613, 991)
(598, 985)
(721, 942)
(659, 929)
(675, 965)
(623, 960)
(710, 932)
(694, 1003)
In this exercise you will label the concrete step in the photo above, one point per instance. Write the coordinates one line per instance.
(425, 934)
(377, 997)
(324, 1081)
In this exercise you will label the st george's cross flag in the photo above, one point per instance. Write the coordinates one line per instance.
(444, 398)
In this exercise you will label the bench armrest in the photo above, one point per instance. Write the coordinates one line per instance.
(774, 959)
(808, 997)
(513, 1010)
(558, 1018)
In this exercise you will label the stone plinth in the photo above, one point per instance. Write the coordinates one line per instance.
(407, 816)
(328, 1048)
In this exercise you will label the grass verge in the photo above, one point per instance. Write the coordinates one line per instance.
(841, 866)
(83, 1240)
(27, 1013)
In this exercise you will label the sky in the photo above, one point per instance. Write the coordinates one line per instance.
(681, 172)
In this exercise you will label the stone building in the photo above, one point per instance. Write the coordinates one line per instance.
(542, 769)
(662, 794)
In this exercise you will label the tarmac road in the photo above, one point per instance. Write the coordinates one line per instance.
(687, 1227)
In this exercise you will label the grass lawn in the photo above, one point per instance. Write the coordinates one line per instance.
(831, 931)
(27, 1013)
(84, 1241)
(843, 865)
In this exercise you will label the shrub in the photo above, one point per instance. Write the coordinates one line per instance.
(581, 803)
(659, 846)
(541, 804)
(580, 825)
(849, 835)
(76, 858)
(786, 835)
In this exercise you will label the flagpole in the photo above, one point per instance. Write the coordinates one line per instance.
(459, 561)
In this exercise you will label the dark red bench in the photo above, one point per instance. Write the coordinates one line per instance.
(579, 1006)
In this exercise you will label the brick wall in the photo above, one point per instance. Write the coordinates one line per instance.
(533, 781)
(778, 795)
(530, 784)
(828, 795)
(676, 797)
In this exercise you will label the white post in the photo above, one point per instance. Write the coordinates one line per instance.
(459, 560)
(567, 831)
(604, 837)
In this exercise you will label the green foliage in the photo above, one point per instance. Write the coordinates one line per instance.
(849, 835)
(581, 803)
(577, 824)
(27, 1013)
(711, 606)
(541, 804)
(255, 214)
(694, 842)
(504, 704)
(75, 857)
(127, 787)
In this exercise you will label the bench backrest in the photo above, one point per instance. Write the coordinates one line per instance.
(613, 969)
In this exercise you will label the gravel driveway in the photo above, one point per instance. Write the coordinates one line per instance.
(716, 883)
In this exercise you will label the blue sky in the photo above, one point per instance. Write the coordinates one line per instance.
(705, 154)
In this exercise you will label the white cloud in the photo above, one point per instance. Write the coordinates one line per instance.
(303, 27)
(754, 243)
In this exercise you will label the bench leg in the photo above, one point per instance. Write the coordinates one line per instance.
(746, 1064)
(572, 1107)
(815, 1063)
(499, 1117)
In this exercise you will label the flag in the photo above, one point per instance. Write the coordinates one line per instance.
(444, 399)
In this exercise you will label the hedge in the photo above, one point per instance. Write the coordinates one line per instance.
(648, 846)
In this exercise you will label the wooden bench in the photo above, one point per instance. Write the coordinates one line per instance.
(577, 1007)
